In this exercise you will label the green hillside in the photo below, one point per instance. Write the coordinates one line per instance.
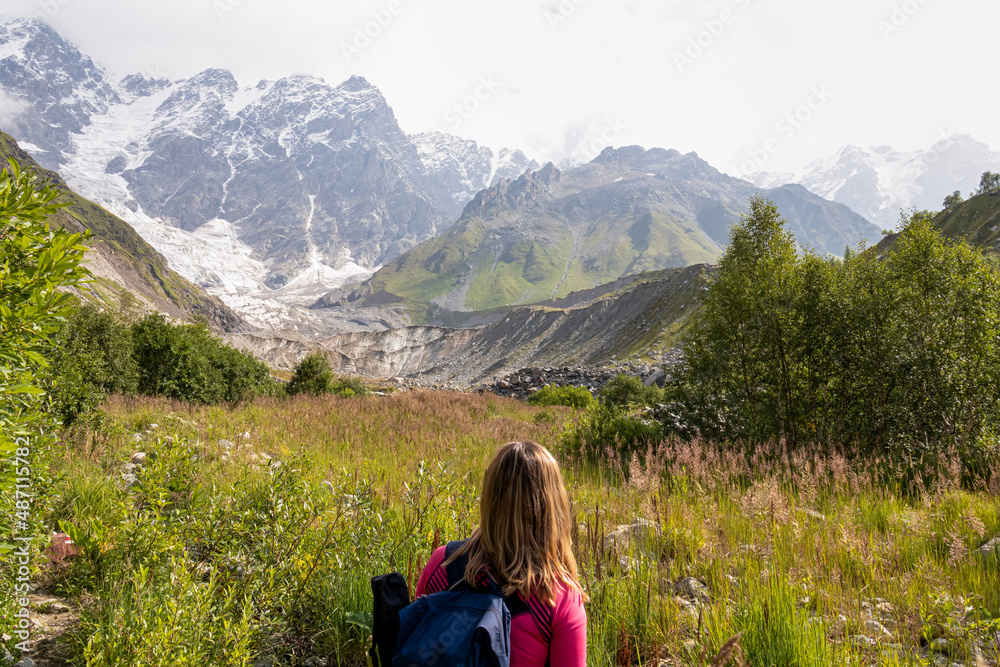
(550, 233)
(976, 221)
(144, 271)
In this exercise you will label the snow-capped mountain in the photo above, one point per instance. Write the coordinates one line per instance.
(880, 182)
(279, 191)
(273, 194)
(462, 168)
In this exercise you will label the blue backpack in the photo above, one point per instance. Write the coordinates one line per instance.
(458, 627)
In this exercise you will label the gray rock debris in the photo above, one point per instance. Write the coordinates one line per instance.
(877, 629)
(623, 537)
(991, 548)
(691, 588)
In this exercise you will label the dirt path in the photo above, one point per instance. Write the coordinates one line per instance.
(51, 618)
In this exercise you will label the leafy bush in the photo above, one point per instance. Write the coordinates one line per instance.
(573, 397)
(312, 376)
(624, 391)
(186, 362)
(37, 265)
(93, 359)
(350, 387)
(608, 429)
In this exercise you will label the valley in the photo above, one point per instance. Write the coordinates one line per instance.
(277, 282)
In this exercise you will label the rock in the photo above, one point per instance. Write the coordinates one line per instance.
(628, 564)
(153, 427)
(861, 641)
(138, 458)
(226, 444)
(623, 537)
(25, 662)
(991, 548)
(129, 480)
(690, 587)
(245, 435)
(940, 645)
(884, 608)
(55, 608)
(877, 629)
(657, 377)
(681, 602)
(137, 437)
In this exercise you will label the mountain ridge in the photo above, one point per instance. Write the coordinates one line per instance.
(549, 233)
(881, 183)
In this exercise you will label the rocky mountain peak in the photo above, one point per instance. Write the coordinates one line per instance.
(55, 88)
(357, 84)
(880, 181)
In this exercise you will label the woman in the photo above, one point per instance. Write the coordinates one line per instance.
(523, 543)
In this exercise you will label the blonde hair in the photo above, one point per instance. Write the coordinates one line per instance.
(524, 525)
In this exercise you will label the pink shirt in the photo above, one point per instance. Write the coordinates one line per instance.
(528, 648)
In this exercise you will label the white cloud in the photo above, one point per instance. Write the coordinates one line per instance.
(607, 59)
(10, 108)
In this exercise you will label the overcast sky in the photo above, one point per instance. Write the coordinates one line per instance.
(565, 78)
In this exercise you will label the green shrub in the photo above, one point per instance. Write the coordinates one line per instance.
(186, 362)
(93, 359)
(350, 388)
(38, 267)
(573, 397)
(624, 391)
(312, 376)
(607, 428)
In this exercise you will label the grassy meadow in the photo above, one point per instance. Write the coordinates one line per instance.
(247, 536)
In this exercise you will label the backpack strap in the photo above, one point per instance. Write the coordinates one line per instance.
(516, 605)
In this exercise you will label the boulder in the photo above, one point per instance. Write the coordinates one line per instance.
(862, 642)
(691, 588)
(991, 548)
(622, 537)
(657, 377)
(877, 629)
(940, 645)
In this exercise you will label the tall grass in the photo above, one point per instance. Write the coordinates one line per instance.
(253, 531)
